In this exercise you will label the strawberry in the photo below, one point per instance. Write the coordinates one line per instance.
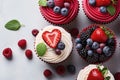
(59, 3)
(95, 74)
(52, 38)
(99, 35)
(103, 2)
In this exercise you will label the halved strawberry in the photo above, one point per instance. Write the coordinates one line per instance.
(52, 38)
(95, 74)
(99, 36)
(103, 2)
(59, 3)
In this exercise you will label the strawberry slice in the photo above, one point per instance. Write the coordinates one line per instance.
(103, 2)
(99, 36)
(52, 38)
(95, 74)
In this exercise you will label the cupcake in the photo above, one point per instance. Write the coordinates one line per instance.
(59, 11)
(96, 43)
(101, 11)
(53, 44)
(95, 72)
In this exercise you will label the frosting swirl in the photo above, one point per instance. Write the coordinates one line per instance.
(83, 74)
(50, 55)
(58, 18)
(94, 13)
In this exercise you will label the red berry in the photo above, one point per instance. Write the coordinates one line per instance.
(57, 51)
(59, 3)
(47, 73)
(102, 45)
(35, 32)
(7, 52)
(117, 76)
(60, 69)
(74, 32)
(103, 2)
(99, 50)
(28, 54)
(22, 43)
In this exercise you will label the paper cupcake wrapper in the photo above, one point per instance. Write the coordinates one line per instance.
(90, 26)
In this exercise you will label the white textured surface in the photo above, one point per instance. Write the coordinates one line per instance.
(20, 68)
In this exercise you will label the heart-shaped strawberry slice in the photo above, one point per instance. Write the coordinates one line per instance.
(99, 35)
(95, 74)
(52, 38)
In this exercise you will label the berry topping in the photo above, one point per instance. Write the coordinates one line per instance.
(71, 69)
(92, 2)
(99, 35)
(102, 45)
(28, 54)
(22, 43)
(7, 52)
(47, 73)
(59, 3)
(90, 52)
(103, 2)
(61, 45)
(78, 46)
(50, 3)
(35, 32)
(77, 40)
(89, 41)
(99, 50)
(41, 49)
(111, 41)
(74, 32)
(52, 38)
(60, 69)
(95, 45)
(103, 9)
(67, 4)
(117, 76)
(95, 74)
(106, 50)
(56, 9)
(64, 11)
(58, 52)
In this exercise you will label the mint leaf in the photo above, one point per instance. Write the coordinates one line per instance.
(98, 66)
(13, 25)
(42, 2)
(104, 70)
(111, 10)
(107, 78)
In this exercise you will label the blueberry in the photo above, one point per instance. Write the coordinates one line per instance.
(71, 69)
(61, 45)
(106, 51)
(64, 11)
(50, 3)
(103, 9)
(95, 45)
(56, 9)
(77, 40)
(79, 46)
(89, 41)
(90, 52)
(92, 2)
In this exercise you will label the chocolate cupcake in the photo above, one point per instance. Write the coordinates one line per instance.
(96, 43)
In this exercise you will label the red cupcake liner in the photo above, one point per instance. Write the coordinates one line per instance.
(90, 26)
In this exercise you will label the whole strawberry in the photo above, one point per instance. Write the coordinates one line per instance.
(7, 52)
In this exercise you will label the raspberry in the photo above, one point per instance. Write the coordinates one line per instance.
(22, 43)
(7, 52)
(35, 32)
(28, 54)
(47, 73)
(117, 76)
(74, 32)
(60, 69)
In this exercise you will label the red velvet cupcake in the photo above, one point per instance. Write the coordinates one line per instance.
(96, 43)
(59, 11)
(101, 11)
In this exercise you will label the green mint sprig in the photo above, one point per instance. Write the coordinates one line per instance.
(111, 10)
(42, 2)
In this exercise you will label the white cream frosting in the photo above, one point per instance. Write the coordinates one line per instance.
(50, 55)
(83, 74)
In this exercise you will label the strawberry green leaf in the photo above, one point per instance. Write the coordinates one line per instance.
(42, 2)
(111, 10)
(107, 78)
(13, 25)
(104, 70)
(41, 49)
